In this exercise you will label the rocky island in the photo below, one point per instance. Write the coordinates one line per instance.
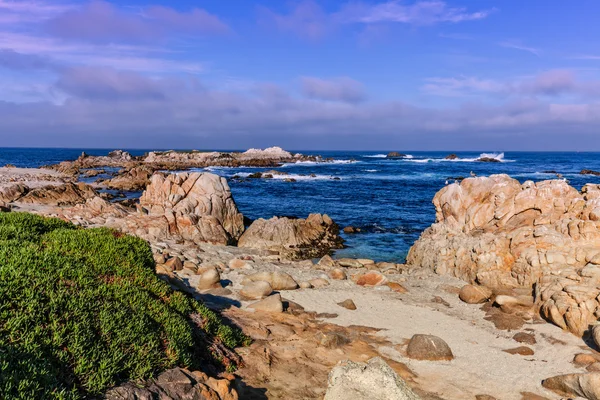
(492, 302)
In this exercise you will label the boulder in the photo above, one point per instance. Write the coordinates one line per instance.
(451, 157)
(319, 282)
(596, 334)
(256, 290)
(198, 207)
(272, 303)
(428, 347)
(277, 280)
(349, 263)
(133, 179)
(374, 380)
(59, 195)
(371, 278)
(210, 279)
(495, 231)
(471, 294)
(395, 154)
(337, 274)
(295, 239)
(574, 385)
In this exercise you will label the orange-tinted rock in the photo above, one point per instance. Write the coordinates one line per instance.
(371, 278)
(522, 351)
(471, 294)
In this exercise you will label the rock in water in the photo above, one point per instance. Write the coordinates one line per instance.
(374, 380)
(471, 294)
(395, 154)
(582, 385)
(428, 347)
(198, 207)
(295, 239)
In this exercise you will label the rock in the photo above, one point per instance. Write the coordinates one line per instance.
(236, 263)
(522, 351)
(277, 280)
(351, 229)
(451, 157)
(256, 290)
(596, 334)
(61, 195)
(471, 294)
(348, 304)
(326, 261)
(371, 278)
(295, 239)
(396, 287)
(583, 359)
(488, 159)
(133, 179)
(395, 154)
(174, 264)
(374, 380)
(582, 385)
(198, 207)
(319, 283)
(256, 175)
(484, 397)
(428, 347)
(589, 172)
(349, 263)
(337, 274)
(270, 304)
(305, 285)
(210, 279)
(526, 338)
(498, 232)
(331, 340)
(595, 367)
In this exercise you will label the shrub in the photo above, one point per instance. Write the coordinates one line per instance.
(82, 310)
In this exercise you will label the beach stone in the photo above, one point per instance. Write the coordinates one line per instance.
(428, 347)
(572, 385)
(326, 261)
(256, 290)
(371, 278)
(270, 304)
(305, 285)
(210, 279)
(174, 263)
(278, 280)
(484, 397)
(584, 359)
(319, 282)
(349, 263)
(526, 338)
(595, 367)
(396, 287)
(471, 294)
(596, 334)
(236, 263)
(374, 380)
(337, 274)
(521, 350)
(348, 304)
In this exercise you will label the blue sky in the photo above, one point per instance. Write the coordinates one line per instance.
(414, 75)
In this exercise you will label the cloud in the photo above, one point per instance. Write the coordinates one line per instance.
(12, 12)
(418, 13)
(102, 22)
(306, 19)
(519, 46)
(13, 60)
(338, 89)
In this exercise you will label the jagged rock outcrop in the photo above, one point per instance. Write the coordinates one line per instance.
(295, 239)
(374, 380)
(134, 179)
(497, 232)
(176, 384)
(60, 195)
(198, 207)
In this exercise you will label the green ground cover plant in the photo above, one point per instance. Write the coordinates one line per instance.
(82, 310)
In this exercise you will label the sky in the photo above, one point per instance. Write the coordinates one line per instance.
(306, 74)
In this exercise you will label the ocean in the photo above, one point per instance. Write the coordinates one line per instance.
(388, 199)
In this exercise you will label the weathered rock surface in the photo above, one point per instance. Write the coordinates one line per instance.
(195, 206)
(58, 195)
(256, 290)
(176, 384)
(136, 178)
(428, 347)
(499, 233)
(272, 303)
(374, 380)
(295, 239)
(472, 294)
(582, 385)
(277, 280)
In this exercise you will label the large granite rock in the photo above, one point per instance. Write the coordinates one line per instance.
(295, 239)
(497, 232)
(133, 179)
(60, 195)
(372, 381)
(197, 207)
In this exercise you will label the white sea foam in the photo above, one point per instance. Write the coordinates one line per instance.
(311, 163)
(371, 170)
(496, 156)
(376, 156)
(297, 177)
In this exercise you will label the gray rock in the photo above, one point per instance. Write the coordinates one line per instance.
(374, 380)
(210, 279)
(270, 304)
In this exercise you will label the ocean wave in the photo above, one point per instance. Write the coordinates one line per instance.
(371, 170)
(298, 177)
(376, 156)
(312, 163)
(495, 156)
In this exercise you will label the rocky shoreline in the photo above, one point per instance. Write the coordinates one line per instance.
(502, 260)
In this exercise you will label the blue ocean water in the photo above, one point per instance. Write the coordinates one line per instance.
(389, 199)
